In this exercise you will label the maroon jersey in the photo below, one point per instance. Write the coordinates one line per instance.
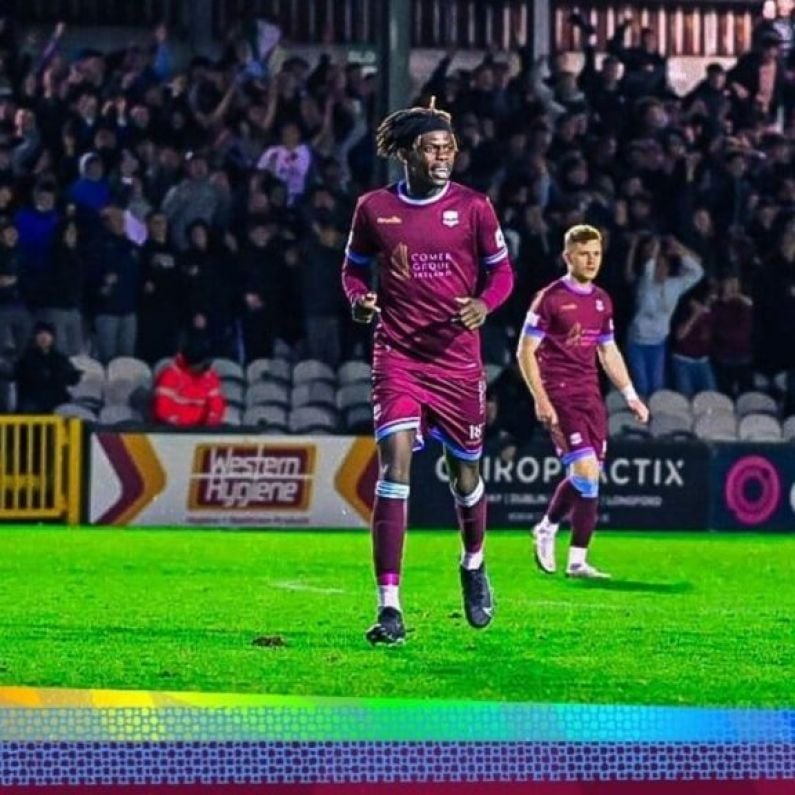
(428, 252)
(571, 320)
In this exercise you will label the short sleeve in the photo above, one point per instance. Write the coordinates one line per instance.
(606, 333)
(361, 248)
(536, 323)
(491, 241)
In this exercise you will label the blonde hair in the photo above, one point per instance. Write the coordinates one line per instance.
(582, 233)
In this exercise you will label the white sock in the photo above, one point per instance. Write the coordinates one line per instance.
(389, 596)
(472, 560)
(577, 556)
(545, 526)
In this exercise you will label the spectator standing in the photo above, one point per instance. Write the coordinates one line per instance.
(36, 226)
(732, 344)
(321, 295)
(196, 198)
(289, 161)
(59, 297)
(114, 275)
(658, 290)
(692, 343)
(15, 321)
(161, 296)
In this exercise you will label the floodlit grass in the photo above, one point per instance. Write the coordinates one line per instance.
(698, 619)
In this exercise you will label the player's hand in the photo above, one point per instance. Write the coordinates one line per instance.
(546, 413)
(639, 409)
(472, 313)
(366, 308)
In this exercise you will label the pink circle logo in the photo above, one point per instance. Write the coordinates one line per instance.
(753, 490)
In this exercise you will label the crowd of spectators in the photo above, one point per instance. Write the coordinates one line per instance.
(141, 203)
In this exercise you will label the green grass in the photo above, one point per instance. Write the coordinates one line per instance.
(697, 619)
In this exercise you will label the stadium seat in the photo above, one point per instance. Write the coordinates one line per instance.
(353, 372)
(312, 419)
(788, 429)
(666, 401)
(615, 402)
(127, 368)
(267, 392)
(115, 415)
(664, 424)
(161, 365)
(227, 370)
(313, 370)
(88, 366)
(232, 416)
(233, 390)
(89, 391)
(273, 418)
(354, 395)
(709, 402)
(623, 423)
(717, 427)
(269, 370)
(756, 403)
(76, 411)
(314, 393)
(358, 420)
(759, 428)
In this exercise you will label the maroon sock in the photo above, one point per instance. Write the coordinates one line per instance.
(583, 520)
(563, 500)
(389, 530)
(472, 518)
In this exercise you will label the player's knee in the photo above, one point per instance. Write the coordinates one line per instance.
(467, 497)
(588, 487)
(464, 478)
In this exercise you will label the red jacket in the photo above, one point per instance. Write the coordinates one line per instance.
(187, 399)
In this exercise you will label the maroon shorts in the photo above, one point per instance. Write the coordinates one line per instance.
(581, 429)
(451, 410)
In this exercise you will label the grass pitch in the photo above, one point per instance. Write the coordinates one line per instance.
(697, 619)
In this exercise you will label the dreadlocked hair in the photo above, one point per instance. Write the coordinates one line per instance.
(403, 128)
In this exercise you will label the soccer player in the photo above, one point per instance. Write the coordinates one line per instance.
(569, 325)
(441, 263)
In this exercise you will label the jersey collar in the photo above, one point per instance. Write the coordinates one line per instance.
(576, 287)
(402, 193)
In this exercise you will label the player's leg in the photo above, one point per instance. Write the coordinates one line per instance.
(388, 532)
(469, 494)
(584, 475)
(457, 414)
(560, 506)
(397, 412)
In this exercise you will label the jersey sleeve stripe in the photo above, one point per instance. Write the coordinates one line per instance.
(358, 259)
(532, 331)
(495, 258)
(603, 338)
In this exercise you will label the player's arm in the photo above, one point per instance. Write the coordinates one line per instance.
(357, 268)
(529, 342)
(493, 256)
(614, 365)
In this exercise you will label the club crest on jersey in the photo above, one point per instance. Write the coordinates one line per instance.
(450, 218)
(600, 306)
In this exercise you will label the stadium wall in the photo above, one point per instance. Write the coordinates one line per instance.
(244, 479)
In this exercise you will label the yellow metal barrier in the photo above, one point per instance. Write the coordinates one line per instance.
(40, 468)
